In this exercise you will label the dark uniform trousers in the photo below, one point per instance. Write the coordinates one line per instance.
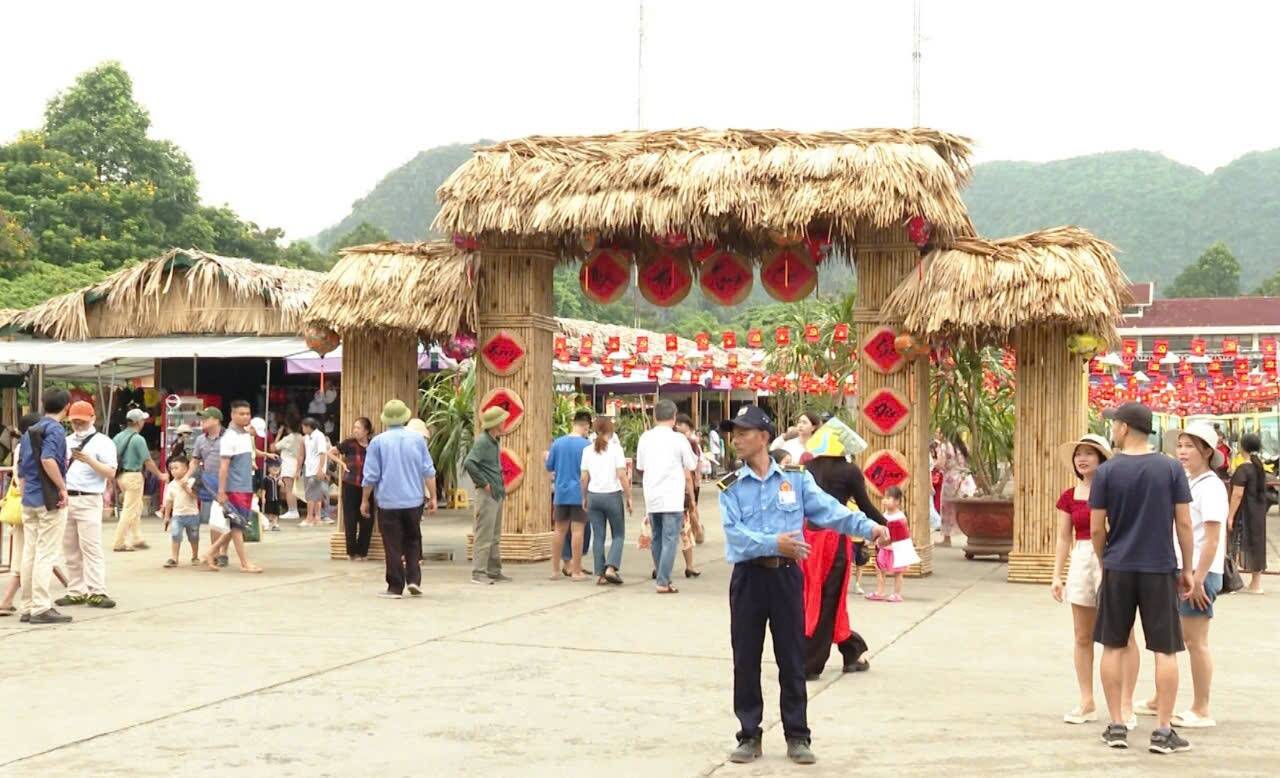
(772, 595)
(818, 647)
(402, 541)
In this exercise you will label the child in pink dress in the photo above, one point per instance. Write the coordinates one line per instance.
(895, 558)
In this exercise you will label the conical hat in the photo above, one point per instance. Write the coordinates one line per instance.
(835, 439)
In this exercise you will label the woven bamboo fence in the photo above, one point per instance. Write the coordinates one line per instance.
(1051, 408)
(377, 366)
(883, 258)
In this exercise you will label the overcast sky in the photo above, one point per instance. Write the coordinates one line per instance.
(291, 111)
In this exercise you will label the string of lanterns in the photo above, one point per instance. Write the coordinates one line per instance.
(1197, 383)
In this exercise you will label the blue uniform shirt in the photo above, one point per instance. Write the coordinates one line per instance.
(395, 465)
(755, 511)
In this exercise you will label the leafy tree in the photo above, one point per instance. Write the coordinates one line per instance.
(362, 234)
(15, 246)
(301, 253)
(43, 280)
(1269, 287)
(1215, 274)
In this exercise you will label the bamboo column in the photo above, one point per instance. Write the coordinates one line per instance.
(515, 296)
(377, 366)
(882, 258)
(1050, 408)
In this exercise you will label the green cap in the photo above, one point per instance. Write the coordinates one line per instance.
(211, 413)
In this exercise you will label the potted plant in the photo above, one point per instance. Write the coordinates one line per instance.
(972, 393)
(448, 407)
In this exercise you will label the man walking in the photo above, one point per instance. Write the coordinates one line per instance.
(564, 462)
(92, 465)
(1139, 498)
(764, 509)
(397, 464)
(485, 468)
(133, 455)
(235, 487)
(315, 484)
(666, 461)
(43, 468)
(206, 459)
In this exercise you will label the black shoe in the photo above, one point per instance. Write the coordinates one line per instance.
(692, 573)
(51, 616)
(1117, 736)
(799, 752)
(654, 575)
(71, 599)
(747, 751)
(1171, 743)
(100, 601)
(222, 561)
(812, 676)
(860, 666)
(25, 618)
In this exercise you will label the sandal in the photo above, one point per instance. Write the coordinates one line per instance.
(601, 581)
(170, 563)
(876, 597)
(8, 611)
(578, 577)
(668, 590)
(612, 577)
(252, 569)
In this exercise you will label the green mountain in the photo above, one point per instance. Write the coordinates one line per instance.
(1159, 213)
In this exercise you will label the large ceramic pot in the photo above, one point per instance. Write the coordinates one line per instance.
(988, 524)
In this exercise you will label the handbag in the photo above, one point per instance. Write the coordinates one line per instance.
(1231, 579)
(11, 513)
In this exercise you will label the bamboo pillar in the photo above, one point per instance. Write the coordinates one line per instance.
(882, 259)
(515, 296)
(1050, 409)
(377, 366)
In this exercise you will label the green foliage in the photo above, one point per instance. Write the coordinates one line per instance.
(629, 427)
(447, 405)
(363, 234)
(1215, 274)
(15, 246)
(563, 410)
(42, 280)
(826, 357)
(1269, 287)
(973, 400)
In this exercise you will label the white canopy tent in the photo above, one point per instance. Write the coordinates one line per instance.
(82, 360)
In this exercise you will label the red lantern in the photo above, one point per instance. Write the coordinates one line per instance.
(584, 359)
(1215, 366)
(732, 362)
(320, 339)
(1230, 346)
(755, 338)
(1129, 347)
(561, 344)
(788, 275)
(665, 279)
(607, 369)
(562, 355)
(461, 346)
(1160, 348)
(918, 230)
(1197, 347)
(605, 275)
(642, 344)
(726, 278)
(656, 360)
(704, 251)
(1269, 365)
(673, 342)
(1268, 347)
(1153, 366)
(586, 344)
(811, 334)
(653, 372)
(614, 343)
(841, 333)
(729, 339)
(1241, 366)
(465, 242)
(782, 336)
(708, 362)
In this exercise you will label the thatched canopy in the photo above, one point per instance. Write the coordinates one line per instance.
(426, 288)
(983, 290)
(733, 185)
(180, 292)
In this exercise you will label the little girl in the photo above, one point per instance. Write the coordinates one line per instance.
(895, 558)
(273, 495)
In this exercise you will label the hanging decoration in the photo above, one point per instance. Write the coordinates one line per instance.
(613, 344)
(320, 339)
(788, 274)
(840, 334)
(726, 278)
(512, 469)
(665, 279)
(885, 469)
(1085, 344)
(605, 275)
(1160, 348)
(586, 343)
(461, 346)
(465, 242)
(1197, 347)
(882, 355)
(909, 346)
(1268, 346)
(672, 241)
(642, 344)
(886, 411)
(782, 336)
(919, 230)
(811, 333)
(673, 343)
(1230, 346)
(704, 251)
(755, 338)
(703, 341)
(509, 401)
(503, 353)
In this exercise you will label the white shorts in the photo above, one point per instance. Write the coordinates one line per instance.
(1084, 575)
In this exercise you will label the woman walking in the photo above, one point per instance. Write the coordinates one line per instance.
(604, 493)
(1196, 448)
(349, 457)
(796, 444)
(951, 458)
(1247, 514)
(286, 445)
(1084, 456)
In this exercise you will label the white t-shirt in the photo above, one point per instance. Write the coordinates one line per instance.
(1209, 506)
(602, 469)
(182, 499)
(81, 477)
(795, 447)
(315, 445)
(664, 455)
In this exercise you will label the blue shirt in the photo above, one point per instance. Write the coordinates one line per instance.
(755, 511)
(395, 465)
(54, 447)
(565, 460)
(1139, 492)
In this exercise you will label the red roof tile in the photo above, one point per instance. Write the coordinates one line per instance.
(1209, 312)
(1143, 293)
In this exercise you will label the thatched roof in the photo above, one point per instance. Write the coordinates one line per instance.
(734, 185)
(981, 289)
(426, 288)
(183, 291)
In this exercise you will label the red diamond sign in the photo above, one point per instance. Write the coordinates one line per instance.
(879, 350)
(503, 353)
(510, 402)
(886, 411)
(884, 469)
(512, 469)
(788, 275)
(665, 280)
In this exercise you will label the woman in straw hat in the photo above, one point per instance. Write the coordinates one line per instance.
(1084, 576)
(1196, 447)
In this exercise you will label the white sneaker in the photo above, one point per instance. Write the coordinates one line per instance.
(388, 595)
(1189, 720)
(1131, 723)
(290, 515)
(415, 590)
(1078, 716)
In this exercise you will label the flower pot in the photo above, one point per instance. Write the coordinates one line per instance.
(987, 522)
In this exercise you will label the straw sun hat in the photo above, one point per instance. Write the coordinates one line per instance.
(1196, 429)
(1067, 451)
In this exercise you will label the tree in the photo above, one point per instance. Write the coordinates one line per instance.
(1215, 274)
(363, 234)
(42, 280)
(1269, 287)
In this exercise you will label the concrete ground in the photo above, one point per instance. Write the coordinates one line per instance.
(303, 672)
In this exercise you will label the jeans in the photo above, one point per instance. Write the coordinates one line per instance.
(602, 507)
(666, 542)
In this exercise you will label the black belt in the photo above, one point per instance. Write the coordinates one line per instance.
(772, 561)
(72, 493)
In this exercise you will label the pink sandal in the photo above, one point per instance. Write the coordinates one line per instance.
(875, 597)
(895, 598)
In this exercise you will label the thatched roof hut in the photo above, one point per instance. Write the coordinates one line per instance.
(180, 292)
(984, 289)
(736, 186)
(424, 288)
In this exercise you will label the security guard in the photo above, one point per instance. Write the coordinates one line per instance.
(763, 508)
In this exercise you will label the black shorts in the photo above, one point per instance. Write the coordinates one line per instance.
(1154, 595)
(568, 513)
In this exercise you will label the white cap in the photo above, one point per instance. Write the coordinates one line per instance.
(137, 414)
(184, 429)
(259, 426)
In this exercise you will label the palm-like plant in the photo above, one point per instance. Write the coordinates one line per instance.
(972, 395)
(826, 357)
(563, 411)
(448, 407)
(629, 428)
